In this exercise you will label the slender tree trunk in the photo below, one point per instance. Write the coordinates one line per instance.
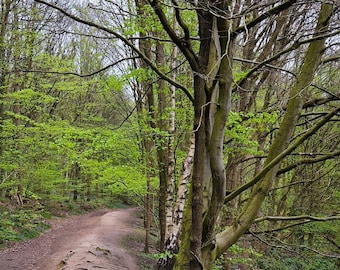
(19, 172)
(149, 136)
(3, 67)
(171, 154)
(75, 177)
(15, 86)
(88, 188)
(148, 211)
(162, 154)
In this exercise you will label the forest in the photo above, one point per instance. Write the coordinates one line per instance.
(219, 118)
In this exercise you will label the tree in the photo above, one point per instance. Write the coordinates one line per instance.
(210, 52)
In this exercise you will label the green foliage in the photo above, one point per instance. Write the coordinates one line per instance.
(45, 152)
(219, 263)
(239, 74)
(325, 228)
(163, 255)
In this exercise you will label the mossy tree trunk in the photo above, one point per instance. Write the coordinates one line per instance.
(304, 79)
(212, 99)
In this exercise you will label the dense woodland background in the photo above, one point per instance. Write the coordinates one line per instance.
(100, 102)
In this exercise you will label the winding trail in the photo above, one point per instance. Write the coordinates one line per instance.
(91, 241)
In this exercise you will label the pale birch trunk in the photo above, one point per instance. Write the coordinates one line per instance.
(171, 155)
(172, 241)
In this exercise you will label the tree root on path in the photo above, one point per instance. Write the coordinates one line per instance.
(97, 252)
(63, 262)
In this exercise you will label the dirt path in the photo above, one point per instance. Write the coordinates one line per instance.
(92, 241)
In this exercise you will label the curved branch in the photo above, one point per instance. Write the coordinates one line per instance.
(183, 45)
(300, 246)
(330, 59)
(180, 21)
(321, 101)
(266, 65)
(123, 39)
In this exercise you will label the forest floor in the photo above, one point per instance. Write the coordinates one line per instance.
(103, 239)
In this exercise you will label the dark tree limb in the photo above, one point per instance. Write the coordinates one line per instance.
(183, 44)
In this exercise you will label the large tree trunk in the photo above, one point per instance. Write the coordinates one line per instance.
(310, 63)
(212, 87)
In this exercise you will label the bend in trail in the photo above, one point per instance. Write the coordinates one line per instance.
(92, 241)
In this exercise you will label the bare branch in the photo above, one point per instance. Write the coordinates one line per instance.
(332, 241)
(282, 227)
(183, 45)
(266, 65)
(123, 39)
(75, 73)
(331, 59)
(321, 101)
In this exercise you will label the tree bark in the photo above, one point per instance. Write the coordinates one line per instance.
(169, 205)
